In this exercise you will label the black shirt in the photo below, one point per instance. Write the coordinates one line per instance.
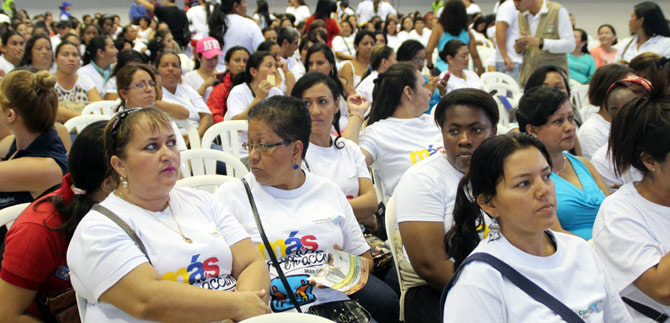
(177, 21)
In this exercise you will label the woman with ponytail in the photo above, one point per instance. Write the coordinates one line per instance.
(99, 57)
(632, 230)
(381, 58)
(229, 25)
(511, 182)
(39, 238)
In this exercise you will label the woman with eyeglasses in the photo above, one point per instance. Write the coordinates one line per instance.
(138, 88)
(632, 230)
(301, 213)
(185, 245)
(546, 113)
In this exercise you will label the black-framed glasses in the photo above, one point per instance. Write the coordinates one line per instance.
(263, 147)
(141, 85)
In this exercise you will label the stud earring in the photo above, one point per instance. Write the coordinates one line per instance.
(295, 166)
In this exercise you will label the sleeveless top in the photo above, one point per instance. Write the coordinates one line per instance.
(47, 144)
(577, 209)
(464, 36)
(357, 78)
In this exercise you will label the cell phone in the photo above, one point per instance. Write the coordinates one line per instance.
(446, 77)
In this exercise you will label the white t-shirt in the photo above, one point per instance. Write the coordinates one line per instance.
(343, 166)
(344, 45)
(396, 144)
(394, 41)
(78, 93)
(5, 65)
(110, 87)
(366, 11)
(89, 71)
(471, 80)
(605, 167)
(472, 9)
(188, 98)
(423, 38)
(238, 100)
(197, 20)
(299, 223)
(195, 81)
(631, 234)
(301, 13)
(573, 274)
(367, 85)
(241, 32)
(298, 70)
(656, 44)
(144, 34)
(593, 134)
(507, 13)
(290, 61)
(101, 253)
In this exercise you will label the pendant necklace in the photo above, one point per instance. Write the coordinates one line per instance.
(565, 164)
(180, 232)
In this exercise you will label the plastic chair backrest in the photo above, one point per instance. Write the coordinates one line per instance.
(107, 107)
(209, 183)
(78, 123)
(228, 132)
(9, 214)
(203, 162)
(379, 186)
(191, 133)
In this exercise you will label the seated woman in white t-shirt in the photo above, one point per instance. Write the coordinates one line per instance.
(343, 44)
(457, 55)
(201, 79)
(302, 213)
(426, 194)
(256, 86)
(74, 91)
(595, 130)
(398, 133)
(513, 186)
(381, 58)
(99, 58)
(631, 233)
(618, 95)
(169, 68)
(332, 156)
(179, 228)
(139, 88)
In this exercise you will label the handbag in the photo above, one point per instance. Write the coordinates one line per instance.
(341, 311)
(60, 306)
(525, 284)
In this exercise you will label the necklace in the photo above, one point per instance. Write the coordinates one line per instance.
(180, 232)
(565, 164)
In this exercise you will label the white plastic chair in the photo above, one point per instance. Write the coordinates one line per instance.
(503, 112)
(191, 132)
(228, 131)
(407, 278)
(287, 317)
(81, 306)
(501, 82)
(9, 214)
(378, 185)
(107, 107)
(209, 183)
(203, 162)
(78, 123)
(579, 98)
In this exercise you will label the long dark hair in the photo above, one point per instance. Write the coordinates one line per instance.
(227, 58)
(454, 18)
(263, 10)
(88, 169)
(654, 21)
(310, 79)
(27, 58)
(323, 9)
(540, 74)
(254, 61)
(408, 50)
(486, 171)
(377, 54)
(389, 88)
(585, 39)
(218, 22)
(328, 54)
(360, 35)
(537, 104)
(97, 42)
(127, 56)
(643, 126)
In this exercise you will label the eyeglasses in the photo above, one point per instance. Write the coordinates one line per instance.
(141, 85)
(419, 60)
(261, 148)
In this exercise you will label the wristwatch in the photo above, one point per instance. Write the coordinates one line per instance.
(541, 43)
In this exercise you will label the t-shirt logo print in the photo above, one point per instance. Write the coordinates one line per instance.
(300, 286)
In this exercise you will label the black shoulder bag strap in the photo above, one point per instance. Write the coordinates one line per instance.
(269, 248)
(530, 288)
(646, 310)
(106, 212)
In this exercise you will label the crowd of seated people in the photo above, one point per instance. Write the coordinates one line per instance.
(352, 116)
